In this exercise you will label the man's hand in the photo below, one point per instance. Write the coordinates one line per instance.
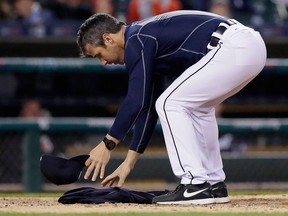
(123, 170)
(99, 157)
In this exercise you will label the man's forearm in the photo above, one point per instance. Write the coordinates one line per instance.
(131, 158)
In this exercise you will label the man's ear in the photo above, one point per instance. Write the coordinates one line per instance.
(107, 38)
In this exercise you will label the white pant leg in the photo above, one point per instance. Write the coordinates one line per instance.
(186, 108)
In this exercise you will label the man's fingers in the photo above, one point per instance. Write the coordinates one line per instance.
(102, 172)
(112, 182)
(96, 171)
(108, 183)
(121, 182)
(89, 171)
(88, 161)
(106, 180)
(109, 180)
(94, 167)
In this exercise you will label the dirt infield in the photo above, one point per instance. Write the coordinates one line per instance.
(239, 203)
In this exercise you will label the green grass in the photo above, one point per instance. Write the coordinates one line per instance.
(146, 214)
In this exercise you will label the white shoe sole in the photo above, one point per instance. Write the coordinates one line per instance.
(189, 202)
(221, 200)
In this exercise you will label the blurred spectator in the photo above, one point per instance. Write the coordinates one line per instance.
(5, 10)
(221, 7)
(32, 17)
(282, 8)
(100, 6)
(31, 109)
(69, 9)
(121, 9)
(139, 10)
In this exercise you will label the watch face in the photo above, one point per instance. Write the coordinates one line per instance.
(110, 145)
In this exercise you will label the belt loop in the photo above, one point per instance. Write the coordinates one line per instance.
(217, 35)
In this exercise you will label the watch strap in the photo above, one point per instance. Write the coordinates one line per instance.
(110, 144)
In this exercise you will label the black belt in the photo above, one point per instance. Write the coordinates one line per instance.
(220, 30)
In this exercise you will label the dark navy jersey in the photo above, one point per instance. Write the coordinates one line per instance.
(166, 44)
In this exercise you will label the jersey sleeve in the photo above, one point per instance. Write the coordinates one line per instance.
(138, 107)
(146, 122)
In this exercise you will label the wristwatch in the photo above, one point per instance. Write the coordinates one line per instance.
(110, 145)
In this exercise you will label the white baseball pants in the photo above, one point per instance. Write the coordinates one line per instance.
(186, 108)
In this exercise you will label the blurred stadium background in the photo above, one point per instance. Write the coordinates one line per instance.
(53, 102)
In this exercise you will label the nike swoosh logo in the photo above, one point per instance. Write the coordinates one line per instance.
(186, 194)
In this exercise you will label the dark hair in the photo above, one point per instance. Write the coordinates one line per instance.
(92, 30)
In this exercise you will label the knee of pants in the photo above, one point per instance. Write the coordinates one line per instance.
(165, 104)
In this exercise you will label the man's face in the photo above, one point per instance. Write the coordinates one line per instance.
(111, 54)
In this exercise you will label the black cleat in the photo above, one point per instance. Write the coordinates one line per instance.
(187, 194)
(220, 193)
